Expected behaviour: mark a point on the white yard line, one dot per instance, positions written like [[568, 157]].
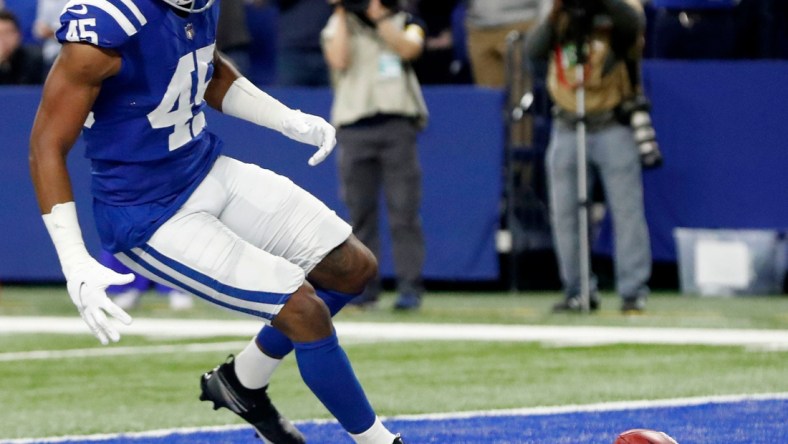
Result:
[[371, 331], [531, 411], [121, 351]]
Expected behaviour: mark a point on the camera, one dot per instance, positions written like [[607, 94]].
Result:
[[360, 6], [635, 114], [581, 18]]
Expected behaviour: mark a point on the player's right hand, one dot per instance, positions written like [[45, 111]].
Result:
[[87, 283]]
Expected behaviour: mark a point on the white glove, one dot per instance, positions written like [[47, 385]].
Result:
[[86, 279], [247, 102], [312, 130], [87, 285]]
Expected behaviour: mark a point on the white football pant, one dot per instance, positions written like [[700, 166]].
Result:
[[245, 240]]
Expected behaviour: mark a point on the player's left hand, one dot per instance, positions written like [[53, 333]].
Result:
[[312, 130]]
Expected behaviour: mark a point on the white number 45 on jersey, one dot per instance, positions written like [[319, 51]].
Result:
[[78, 31], [177, 107]]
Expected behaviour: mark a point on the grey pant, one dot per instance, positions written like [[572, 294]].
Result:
[[382, 155], [612, 156]]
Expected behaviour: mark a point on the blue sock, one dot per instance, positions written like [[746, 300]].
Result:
[[326, 370], [277, 345]]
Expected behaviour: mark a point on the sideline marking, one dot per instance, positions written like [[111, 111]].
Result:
[[529, 411], [776, 340]]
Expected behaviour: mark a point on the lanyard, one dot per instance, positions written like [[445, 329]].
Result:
[[559, 67]]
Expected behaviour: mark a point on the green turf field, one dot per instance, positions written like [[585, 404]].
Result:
[[80, 395]]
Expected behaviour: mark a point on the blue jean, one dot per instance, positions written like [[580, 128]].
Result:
[[613, 157]]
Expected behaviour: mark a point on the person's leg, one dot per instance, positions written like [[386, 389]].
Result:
[[307, 233], [195, 252], [562, 186], [481, 53], [402, 188], [619, 167], [325, 368], [360, 182], [198, 252], [345, 270], [337, 279], [178, 300]]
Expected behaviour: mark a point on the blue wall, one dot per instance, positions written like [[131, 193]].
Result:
[[721, 125], [460, 153], [723, 128]]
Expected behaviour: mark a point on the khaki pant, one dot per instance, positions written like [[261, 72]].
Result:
[[487, 51]]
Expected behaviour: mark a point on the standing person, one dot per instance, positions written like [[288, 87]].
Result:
[[19, 64], [612, 32], [379, 110], [134, 76]]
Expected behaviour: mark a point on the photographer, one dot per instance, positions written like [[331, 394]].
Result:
[[610, 33], [379, 110]]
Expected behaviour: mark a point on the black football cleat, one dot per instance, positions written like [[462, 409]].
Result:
[[221, 386], [398, 440]]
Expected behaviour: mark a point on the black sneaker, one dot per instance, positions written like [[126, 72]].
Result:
[[221, 386], [634, 305], [573, 305], [398, 440], [408, 302]]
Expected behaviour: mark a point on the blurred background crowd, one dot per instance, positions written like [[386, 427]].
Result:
[[277, 42]]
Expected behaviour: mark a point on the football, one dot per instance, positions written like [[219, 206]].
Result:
[[644, 436]]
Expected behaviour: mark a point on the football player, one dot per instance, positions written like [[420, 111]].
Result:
[[134, 77]]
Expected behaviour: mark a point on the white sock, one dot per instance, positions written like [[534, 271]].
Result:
[[253, 367], [377, 434]]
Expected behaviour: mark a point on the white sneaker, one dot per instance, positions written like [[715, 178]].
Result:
[[180, 301], [128, 299]]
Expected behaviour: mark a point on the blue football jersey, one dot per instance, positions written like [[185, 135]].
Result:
[[146, 134]]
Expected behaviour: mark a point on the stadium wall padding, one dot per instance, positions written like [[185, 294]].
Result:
[[460, 154], [721, 126], [723, 130]]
